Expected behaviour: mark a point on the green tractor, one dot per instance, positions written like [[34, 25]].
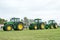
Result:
[[38, 24], [14, 24], [51, 24]]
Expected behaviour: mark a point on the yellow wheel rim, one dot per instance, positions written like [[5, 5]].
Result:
[[56, 26], [20, 26], [42, 26], [9, 28], [35, 27], [52, 26]]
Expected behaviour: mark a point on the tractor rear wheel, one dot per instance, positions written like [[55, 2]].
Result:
[[51, 27], [55, 26], [20, 26]]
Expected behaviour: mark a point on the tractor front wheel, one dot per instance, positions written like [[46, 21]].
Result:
[[35, 27], [7, 28], [42, 26]]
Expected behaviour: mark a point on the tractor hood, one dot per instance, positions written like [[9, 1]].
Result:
[[8, 23], [33, 23]]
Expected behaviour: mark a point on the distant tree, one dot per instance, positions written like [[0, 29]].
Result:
[[22, 20], [26, 22], [31, 21], [2, 21]]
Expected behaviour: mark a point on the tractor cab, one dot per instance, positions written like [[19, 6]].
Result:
[[38, 20], [51, 22], [15, 19]]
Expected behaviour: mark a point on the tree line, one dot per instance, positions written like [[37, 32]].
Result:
[[27, 21], [2, 21]]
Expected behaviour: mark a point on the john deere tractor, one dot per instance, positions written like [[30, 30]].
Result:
[[38, 24], [14, 24], [51, 24]]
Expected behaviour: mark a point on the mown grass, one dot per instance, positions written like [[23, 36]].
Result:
[[49, 34]]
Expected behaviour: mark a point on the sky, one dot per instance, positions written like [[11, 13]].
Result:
[[43, 9]]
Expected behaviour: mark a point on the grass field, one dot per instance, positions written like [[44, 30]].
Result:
[[49, 34]]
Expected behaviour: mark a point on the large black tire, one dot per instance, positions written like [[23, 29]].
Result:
[[51, 26], [7, 28], [46, 26], [32, 27], [35, 27], [4, 28], [55, 26], [20, 26], [42, 26]]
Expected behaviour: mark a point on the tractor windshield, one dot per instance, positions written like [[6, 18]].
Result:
[[15, 19], [38, 20]]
